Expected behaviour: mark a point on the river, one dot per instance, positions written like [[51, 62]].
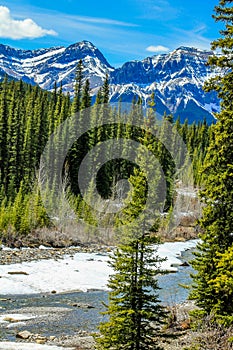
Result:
[[62, 313]]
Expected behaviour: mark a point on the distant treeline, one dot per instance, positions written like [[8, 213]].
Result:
[[29, 115]]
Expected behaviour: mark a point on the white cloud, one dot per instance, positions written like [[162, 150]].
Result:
[[20, 29], [158, 48]]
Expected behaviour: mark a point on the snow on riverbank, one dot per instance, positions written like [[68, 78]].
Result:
[[14, 320], [83, 271]]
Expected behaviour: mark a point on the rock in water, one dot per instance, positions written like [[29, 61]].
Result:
[[24, 335]]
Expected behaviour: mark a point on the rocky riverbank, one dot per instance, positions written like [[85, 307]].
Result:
[[57, 320], [23, 322], [50, 321], [19, 255], [174, 337], [177, 334]]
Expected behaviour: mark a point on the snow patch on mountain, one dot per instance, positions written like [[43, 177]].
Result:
[[177, 77]]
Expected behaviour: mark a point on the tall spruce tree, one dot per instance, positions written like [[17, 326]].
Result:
[[165, 158], [3, 130], [134, 310], [78, 88], [217, 221]]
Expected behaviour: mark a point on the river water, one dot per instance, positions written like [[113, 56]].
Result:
[[63, 317]]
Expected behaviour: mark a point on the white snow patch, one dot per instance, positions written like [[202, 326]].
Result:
[[2, 247], [39, 78], [44, 247], [84, 271], [40, 58], [212, 107], [172, 251], [15, 318]]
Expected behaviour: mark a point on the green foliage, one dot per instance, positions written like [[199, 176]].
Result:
[[222, 286], [212, 288], [29, 115], [23, 215], [76, 106], [134, 310]]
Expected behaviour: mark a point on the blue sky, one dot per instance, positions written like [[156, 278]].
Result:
[[122, 29]]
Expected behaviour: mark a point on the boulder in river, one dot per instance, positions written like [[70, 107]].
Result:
[[83, 306], [24, 335]]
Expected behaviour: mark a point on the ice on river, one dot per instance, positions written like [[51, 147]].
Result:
[[83, 271]]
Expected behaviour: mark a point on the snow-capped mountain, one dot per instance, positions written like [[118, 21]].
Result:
[[177, 77], [45, 66]]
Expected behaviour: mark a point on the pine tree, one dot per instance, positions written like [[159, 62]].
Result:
[[222, 284], [86, 98], [3, 131], [134, 310], [78, 88], [99, 97], [51, 110], [58, 107], [76, 153], [165, 158], [13, 145], [217, 221], [105, 90], [30, 142]]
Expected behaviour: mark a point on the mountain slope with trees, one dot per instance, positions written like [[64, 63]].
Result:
[[28, 117], [176, 78]]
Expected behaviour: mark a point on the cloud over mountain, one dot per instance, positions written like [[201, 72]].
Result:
[[158, 48], [20, 29]]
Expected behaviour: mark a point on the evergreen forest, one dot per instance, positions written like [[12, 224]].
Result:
[[37, 178], [29, 116]]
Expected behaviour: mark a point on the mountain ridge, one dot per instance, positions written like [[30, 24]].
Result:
[[176, 77]]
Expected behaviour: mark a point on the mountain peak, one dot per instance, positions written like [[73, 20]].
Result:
[[45, 66], [176, 77], [83, 44], [84, 49], [190, 49]]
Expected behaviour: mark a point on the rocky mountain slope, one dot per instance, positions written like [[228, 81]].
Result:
[[45, 66], [177, 77]]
